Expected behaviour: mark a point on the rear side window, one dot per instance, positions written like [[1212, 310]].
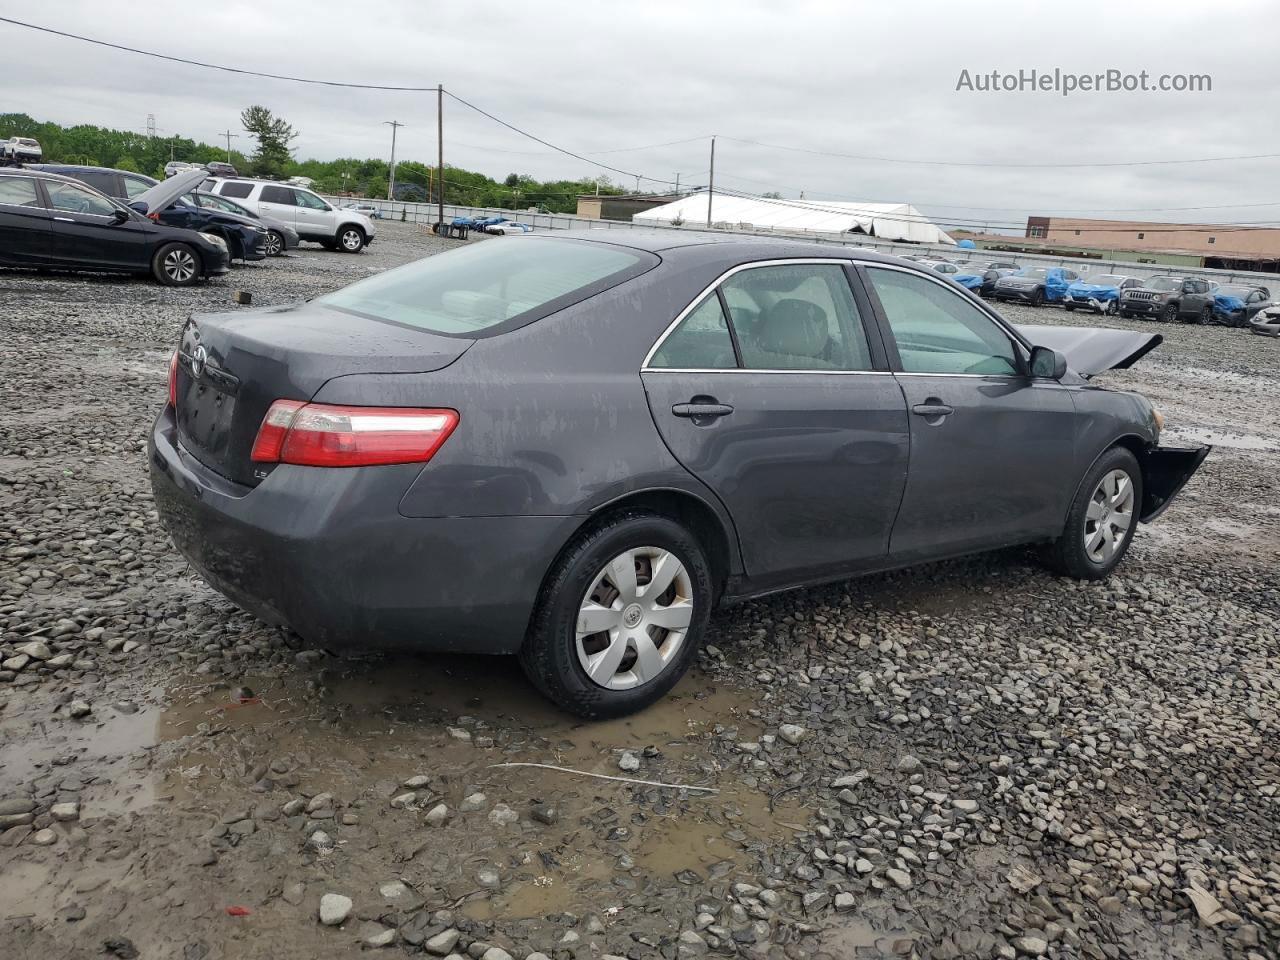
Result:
[[133, 186], [18, 192], [701, 342], [277, 195], [106, 182], [492, 286], [235, 189]]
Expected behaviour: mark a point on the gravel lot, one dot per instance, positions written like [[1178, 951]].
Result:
[[970, 759]]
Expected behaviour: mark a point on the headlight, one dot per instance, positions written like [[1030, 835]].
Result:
[[216, 240]]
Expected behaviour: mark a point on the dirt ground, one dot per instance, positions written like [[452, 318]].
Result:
[[970, 759]]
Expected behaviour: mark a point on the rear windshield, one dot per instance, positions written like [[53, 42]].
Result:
[[490, 286]]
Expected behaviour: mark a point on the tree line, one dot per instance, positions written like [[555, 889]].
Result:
[[128, 150]]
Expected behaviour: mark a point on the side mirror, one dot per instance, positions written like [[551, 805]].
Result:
[[139, 206], [118, 217], [1048, 364]]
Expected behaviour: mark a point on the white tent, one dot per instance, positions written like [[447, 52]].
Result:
[[887, 221]]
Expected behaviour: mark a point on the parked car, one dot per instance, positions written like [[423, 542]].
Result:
[[991, 272], [1170, 299], [541, 446], [1266, 321], [221, 169], [310, 216], [1099, 292], [179, 166], [506, 227], [1234, 304], [48, 220], [940, 266], [121, 184], [246, 237], [1035, 285], [21, 150], [280, 236], [370, 210]]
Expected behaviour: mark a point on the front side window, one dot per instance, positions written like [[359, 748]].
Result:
[[309, 200], [701, 342], [18, 192], [281, 195], [937, 330], [485, 288], [798, 316], [73, 198], [241, 190]]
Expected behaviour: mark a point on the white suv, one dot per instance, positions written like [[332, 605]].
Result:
[[21, 149], [312, 217]]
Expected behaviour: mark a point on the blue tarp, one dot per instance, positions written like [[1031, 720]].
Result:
[[1224, 305], [1093, 291], [970, 281], [1055, 285]]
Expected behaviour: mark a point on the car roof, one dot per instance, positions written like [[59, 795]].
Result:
[[81, 167], [33, 173]]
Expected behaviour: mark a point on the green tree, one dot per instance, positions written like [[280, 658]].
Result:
[[128, 163], [273, 136], [376, 188]]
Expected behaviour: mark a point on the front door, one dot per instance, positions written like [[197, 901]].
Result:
[[26, 232], [86, 230], [315, 217], [992, 449], [770, 393]]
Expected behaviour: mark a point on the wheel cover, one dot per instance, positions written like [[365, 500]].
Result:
[[351, 239], [179, 265], [274, 244], [1108, 516], [634, 618]]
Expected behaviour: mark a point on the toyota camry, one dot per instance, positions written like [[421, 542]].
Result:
[[573, 450]]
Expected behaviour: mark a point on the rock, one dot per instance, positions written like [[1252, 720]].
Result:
[[459, 734], [376, 935], [793, 733], [909, 764], [45, 837], [503, 816], [16, 805], [489, 878], [628, 762], [849, 780], [16, 663], [320, 842], [545, 813], [421, 781], [321, 801], [437, 815], [476, 801], [334, 909], [294, 893], [79, 709], [404, 801], [65, 811], [294, 807], [845, 901], [36, 650], [1031, 946], [442, 943], [1113, 906], [495, 953], [900, 878], [863, 865], [965, 806], [393, 890]]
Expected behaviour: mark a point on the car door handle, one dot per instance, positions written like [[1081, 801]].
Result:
[[932, 408], [701, 411], [65, 219]]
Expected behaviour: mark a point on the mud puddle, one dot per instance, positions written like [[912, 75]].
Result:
[[1222, 438]]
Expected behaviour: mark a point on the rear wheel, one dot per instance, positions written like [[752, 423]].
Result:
[[350, 239], [1102, 519], [273, 245], [176, 265], [1113, 307], [1037, 298], [621, 616], [1070, 307]]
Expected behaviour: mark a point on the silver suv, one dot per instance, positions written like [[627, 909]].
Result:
[[312, 217]]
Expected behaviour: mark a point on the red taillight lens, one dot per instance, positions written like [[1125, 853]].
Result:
[[325, 435], [173, 380]]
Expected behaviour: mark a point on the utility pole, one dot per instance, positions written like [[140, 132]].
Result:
[[677, 183], [228, 134], [391, 187], [637, 183], [711, 183], [151, 125], [440, 148]]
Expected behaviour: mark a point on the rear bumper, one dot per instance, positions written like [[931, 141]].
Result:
[[1167, 471], [326, 552]]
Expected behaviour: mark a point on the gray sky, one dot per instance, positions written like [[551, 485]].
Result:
[[868, 79]]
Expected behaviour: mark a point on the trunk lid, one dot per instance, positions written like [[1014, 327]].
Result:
[[233, 366], [1093, 350]]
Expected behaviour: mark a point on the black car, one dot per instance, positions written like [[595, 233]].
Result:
[[47, 220], [573, 448], [1236, 304], [280, 236], [121, 184], [1170, 299], [246, 237]]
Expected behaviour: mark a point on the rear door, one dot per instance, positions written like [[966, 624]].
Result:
[[278, 202], [770, 390], [992, 449], [85, 231], [26, 230]]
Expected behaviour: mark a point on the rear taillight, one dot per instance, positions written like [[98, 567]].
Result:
[[173, 380], [326, 435]]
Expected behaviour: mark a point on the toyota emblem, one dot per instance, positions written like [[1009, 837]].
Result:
[[198, 359]]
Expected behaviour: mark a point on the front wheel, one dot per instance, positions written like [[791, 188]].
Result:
[[1070, 307], [1037, 298], [621, 616], [1170, 313], [1113, 307], [1102, 519], [351, 240], [176, 265], [273, 245]]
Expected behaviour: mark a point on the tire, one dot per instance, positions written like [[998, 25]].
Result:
[[350, 239], [1126, 315], [1204, 317], [555, 658], [1069, 307], [1113, 308], [1169, 314], [273, 245], [1071, 554], [176, 265], [1037, 298]]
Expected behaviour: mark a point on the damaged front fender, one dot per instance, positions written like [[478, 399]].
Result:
[[1165, 473]]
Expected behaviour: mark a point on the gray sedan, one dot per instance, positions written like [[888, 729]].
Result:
[[574, 449]]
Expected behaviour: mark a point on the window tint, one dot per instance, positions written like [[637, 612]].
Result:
[[796, 317], [309, 200], [106, 182], [74, 198], [484, 285], [134, 186], [18, 192], [938, 331], [701, 342], [235, 189], [271, 194]]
